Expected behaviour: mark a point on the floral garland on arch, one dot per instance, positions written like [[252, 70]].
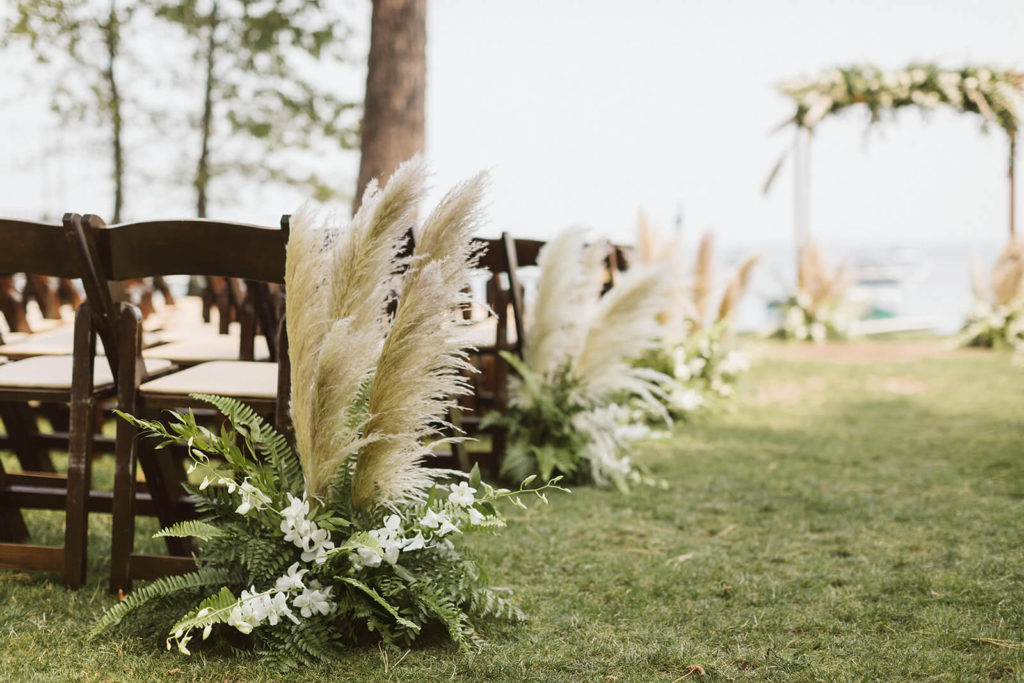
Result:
[[569, 409], [994, 94], [303, 551]]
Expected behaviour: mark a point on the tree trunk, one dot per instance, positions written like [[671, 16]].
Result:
[[202, 179], [393, 114], [112, 38]]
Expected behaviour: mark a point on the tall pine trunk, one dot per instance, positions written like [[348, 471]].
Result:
[[202, 179], [112, 39], [394, 110]]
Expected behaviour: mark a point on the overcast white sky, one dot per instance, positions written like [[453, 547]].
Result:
[[587, 110]]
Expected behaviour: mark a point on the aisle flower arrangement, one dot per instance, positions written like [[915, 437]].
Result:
[[301, 552], [700, 360], [815, 312], [568, 412], [998, 317]]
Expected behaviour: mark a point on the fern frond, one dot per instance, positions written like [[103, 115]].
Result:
[[191, 528], [162, 587], [376, 597], [262, 437]]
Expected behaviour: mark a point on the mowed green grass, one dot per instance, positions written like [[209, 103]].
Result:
[[845, 521]]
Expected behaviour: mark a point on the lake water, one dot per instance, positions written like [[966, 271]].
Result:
[[934, 287]]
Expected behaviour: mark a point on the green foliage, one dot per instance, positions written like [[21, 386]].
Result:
[[257, 525], [160, 588], [539, 428]]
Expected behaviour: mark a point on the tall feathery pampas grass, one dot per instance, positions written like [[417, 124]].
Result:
[[697, 354], [578, 360], [998, 316], [688, 301], [368, 388], [354, 535]]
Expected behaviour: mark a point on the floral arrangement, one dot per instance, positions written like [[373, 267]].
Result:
[[998, 317], [302, 551], [992, 93], [815, 312], [701, 371], [566, 413], [699, 360]]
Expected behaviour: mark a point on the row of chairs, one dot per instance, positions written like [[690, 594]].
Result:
[[109, 364]]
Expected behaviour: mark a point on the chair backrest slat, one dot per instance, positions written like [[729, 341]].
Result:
[[37, 248], [191, 247]]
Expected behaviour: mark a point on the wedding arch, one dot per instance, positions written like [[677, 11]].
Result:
[[993, 94]]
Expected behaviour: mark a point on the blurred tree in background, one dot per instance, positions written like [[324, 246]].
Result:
[[393, 114], [81, 39], [265, 92], [255, 98]]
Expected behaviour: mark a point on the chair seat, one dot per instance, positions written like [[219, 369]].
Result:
[[206, 347], [242, 379], [483, 334], [57, 342], [54, 372]]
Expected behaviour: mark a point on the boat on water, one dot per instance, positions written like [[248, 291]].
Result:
[[882, 282]]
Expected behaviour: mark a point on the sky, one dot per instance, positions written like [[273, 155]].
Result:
[[585, 112]]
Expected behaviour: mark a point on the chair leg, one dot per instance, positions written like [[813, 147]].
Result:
[[12, 523], [20, 423], [122, 541], [76, 533], [57, 415], [164, 474]]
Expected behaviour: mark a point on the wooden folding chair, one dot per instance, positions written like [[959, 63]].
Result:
[[184, 247], [77, 380], [500, 331]]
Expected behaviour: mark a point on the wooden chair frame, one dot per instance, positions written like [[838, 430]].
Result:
[[160, 248], [50, 250], [502, 258]]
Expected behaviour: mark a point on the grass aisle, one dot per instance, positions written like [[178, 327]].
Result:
[[847, 521]]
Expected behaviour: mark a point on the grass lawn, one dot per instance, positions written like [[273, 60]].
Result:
[[848, 520]]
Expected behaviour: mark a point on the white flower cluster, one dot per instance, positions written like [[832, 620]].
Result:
[[702, 360], [800, 324], [252, 497], [609, 430], [395, 538], [254, 608], [304, 532]]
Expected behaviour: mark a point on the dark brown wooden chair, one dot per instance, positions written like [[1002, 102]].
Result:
[[77, 380], [499, 331], [182, 247]]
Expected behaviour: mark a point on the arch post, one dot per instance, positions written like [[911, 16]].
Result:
[[1013, 192]]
